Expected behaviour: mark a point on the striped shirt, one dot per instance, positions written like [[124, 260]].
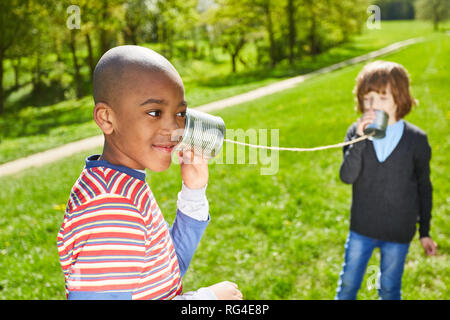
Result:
[[114, 239]]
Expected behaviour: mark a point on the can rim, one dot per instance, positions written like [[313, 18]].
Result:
[[186, 124], [186, 132]]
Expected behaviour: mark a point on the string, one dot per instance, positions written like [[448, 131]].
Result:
[[339, 145]]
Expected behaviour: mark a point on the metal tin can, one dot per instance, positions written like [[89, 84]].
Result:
[[203, 132], [378, 127]]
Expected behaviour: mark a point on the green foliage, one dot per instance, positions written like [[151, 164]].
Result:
[[207, 79], [37, 31], [435, 10], [277, 237], [396, 9]]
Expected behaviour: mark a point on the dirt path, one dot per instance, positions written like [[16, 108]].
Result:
[[45, 157]]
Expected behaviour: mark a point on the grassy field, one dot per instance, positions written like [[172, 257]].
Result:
[[278, 236], [28, 130]]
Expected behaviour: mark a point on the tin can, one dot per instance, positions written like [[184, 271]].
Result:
[[378, 127], [204, 133]]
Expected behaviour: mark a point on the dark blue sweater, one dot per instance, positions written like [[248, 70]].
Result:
[[390, 197]]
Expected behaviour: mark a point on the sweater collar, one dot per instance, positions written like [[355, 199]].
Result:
[[92, 161]]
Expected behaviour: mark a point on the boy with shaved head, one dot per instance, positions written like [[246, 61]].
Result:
[[114, 242]]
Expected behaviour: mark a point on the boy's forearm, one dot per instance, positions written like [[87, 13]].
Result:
[[425, 194], [422, 157], [189, 225], [425, 191], [351, 165]]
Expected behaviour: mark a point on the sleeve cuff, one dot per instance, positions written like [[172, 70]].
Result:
[[193, 203], [358, 145], [192, 194], [200, 294], [424, 234], [424, 229]]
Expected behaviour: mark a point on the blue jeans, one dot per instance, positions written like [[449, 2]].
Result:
[[358, 250]]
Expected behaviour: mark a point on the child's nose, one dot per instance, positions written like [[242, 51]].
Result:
[[371, 102], [169, 126]]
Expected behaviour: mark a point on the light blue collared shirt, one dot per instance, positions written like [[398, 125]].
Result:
[[384, 147]]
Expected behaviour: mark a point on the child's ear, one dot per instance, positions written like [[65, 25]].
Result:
[[103, 116]]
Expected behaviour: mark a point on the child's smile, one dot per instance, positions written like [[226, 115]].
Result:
[[149, 109], [164, 148]]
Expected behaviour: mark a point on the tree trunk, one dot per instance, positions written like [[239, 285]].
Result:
[[130, 33], [235, 53], [133, 34], [103, 42], [36, 77], [211, 55], [269, 27], [169, 40], [90, 55], [76, 66], [163, 37], [194, 48], [436, 15], [312, 30], [103, 33], [233, 63], [312, 37], [292, 31], [1, 83], [58, 48], [16, 67]]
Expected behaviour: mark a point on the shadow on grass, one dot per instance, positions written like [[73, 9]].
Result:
[[284, 70], [41, 94]]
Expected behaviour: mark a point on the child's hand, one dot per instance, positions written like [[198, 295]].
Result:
[[429, 246], [367, 118], [226, 290], [194, 169]]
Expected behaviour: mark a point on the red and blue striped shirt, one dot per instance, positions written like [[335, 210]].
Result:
[[114, 241]]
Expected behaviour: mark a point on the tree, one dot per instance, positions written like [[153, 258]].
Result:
[[345, 17], [266, 6], [76, 65], [325, 23], [63, 23], [396, 9], [435, 10], [269, 15], [315, 12], [291, 9], [175, 20], [232, 23], [136, 16], [90, 11]]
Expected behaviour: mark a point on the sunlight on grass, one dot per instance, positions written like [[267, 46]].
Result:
[[279, 236]]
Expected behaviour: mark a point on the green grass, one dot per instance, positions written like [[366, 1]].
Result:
[[278, 236], [30, 130]]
